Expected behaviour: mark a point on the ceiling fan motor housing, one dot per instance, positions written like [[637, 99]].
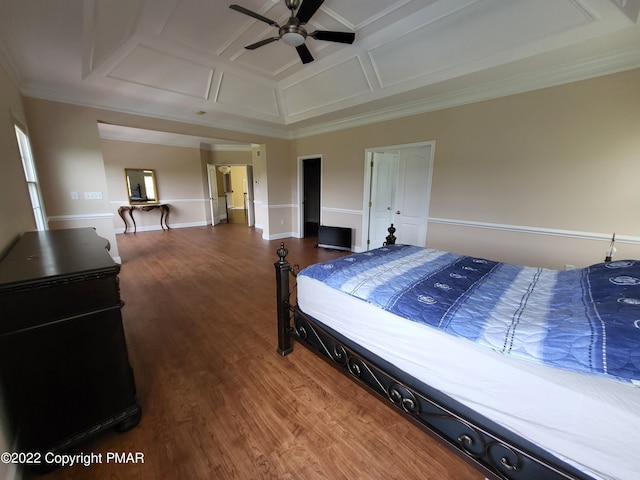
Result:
[[292, 33]]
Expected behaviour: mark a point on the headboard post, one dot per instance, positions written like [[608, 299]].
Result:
[[283, 268]]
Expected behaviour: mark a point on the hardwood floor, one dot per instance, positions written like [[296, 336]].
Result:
[[218, 401], [238, 215]]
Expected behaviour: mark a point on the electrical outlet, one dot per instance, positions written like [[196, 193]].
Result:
[[93, 195], [74, 196]]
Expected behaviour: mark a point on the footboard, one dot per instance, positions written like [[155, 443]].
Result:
[[493, 450]]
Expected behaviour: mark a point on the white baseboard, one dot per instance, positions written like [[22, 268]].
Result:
[[151, 228], [278, 236]]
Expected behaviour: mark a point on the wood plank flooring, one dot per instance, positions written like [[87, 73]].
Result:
[[218, 401]]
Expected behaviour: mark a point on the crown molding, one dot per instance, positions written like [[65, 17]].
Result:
[[154, 137], [628, 59], [214, 120], [595, 66]]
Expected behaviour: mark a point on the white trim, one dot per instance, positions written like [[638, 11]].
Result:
[[291, 205], [279, 236], [535, 230], [161, 202], [282, 128], [109, 131], [150, 228], [575, 234], [86, 216], [220, 120], [342, 210], [582, 70]]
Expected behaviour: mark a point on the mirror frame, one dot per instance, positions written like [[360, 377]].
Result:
[[153, 179]]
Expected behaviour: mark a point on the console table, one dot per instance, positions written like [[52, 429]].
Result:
[[164, 214], [64, 366]]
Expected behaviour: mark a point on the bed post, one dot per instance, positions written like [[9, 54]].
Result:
[[391, 238], [283, 268]]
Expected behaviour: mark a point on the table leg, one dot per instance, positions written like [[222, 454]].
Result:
[[121, 211], [135, 227], [164, 215]]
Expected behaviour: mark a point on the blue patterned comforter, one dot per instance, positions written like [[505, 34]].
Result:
[[586, 320]]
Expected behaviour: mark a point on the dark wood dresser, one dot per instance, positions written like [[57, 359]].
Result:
[[64, 367]]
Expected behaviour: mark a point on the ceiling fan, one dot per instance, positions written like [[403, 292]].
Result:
[[293, 33]]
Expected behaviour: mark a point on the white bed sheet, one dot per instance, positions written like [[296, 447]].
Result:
[[589, 421]]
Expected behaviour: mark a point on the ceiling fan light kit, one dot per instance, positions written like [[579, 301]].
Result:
[[293, 33]]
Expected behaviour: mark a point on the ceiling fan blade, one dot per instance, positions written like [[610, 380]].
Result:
[[307, 9], [253, 46], [255, 15], [341, 37], [305, 54]]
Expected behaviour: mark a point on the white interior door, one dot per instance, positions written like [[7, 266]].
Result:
[[213, 194], [251, 211], [399, 186], [382, 202], [412, 199]]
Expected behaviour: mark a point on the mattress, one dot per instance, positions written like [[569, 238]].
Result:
[[589, 421]]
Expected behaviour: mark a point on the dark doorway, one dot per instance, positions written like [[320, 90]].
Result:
[[311, 196]]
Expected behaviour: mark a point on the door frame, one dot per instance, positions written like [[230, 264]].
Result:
[[251, 213], [300, 205], [213, 190], [369, 152]]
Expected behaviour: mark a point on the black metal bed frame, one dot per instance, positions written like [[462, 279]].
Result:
[[495, 451]]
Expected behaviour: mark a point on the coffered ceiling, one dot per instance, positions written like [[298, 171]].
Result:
[[185, 59]]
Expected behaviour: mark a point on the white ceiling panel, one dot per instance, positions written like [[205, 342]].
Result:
[[362, 12], [454, 39], [152, 68], [322, 90], [201, 24], [237, 91], [113, 23]]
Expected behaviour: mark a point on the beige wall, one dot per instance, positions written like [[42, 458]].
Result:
[[282, 190], [178, 177], [542, 178], [16, 215], [231, 157], [68, 156]]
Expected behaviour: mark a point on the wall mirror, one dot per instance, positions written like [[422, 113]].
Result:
[[141, 185]]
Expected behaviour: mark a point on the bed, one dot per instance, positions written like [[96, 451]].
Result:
[[527, 373]]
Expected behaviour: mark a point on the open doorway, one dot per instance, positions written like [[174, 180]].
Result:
[[231, 194], [310, 188]]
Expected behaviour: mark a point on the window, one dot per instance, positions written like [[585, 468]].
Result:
[[31, 177]]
